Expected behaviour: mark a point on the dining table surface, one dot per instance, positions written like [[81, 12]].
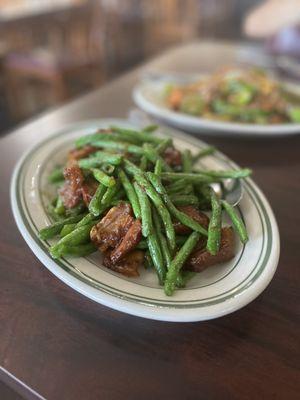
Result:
[[58, 345]]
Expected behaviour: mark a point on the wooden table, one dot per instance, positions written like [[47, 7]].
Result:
[[57, 344]]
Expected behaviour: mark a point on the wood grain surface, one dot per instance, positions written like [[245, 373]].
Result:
[[65, 346]]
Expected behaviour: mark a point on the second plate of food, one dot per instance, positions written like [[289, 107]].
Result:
[[218, 290], [232, 102]]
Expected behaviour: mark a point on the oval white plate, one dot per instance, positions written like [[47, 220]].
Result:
[[215, 292], [148, 95]]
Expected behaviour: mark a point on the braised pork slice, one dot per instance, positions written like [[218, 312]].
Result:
[[194, 213], [129, 241], [202, 259], [116, 235], [127, 265], [172, 157], [71, 191], [109, 232]]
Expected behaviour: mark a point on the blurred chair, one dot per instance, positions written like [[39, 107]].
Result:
[[60, 54]]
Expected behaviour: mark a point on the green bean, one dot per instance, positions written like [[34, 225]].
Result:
[[203, 153], [233, 174], [152, 155], [155, 198], [87, 219], [164, 145], [109, 195], [79, 235], [132, 169], [237, 221], [110, 158], [189, 178], [162, 240], [141, 136], [157, 258], [54, 229], [119, 146], [95, 203], [181, 216], [214, 228], [103, 178], [186, 190], [143, 163], [178, 261], [158, 167], [181, 279], [95, 137], [177, 185], [59, 208], [57, 175], [187, 161], [99, 158], [145, 207], [150, 128], [81, 250], [131, 193], [67, 229], [184, 200]]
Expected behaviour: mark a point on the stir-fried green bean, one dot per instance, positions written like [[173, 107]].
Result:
[[206, 176], [158, 167], [237, 221], [95, 203], [184, 199], [110, 193], [178, 261], [131, 193], [145, 207], [79, 235], [214, 228], [81, 250], [88, 218], [54, 229], [91, 139], [103, 178], [142, 136], [157, 257], [68, 228], [161, 239], [119, 147], [98, 159]]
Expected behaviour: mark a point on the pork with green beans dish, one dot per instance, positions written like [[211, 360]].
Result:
[[143, 204]]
